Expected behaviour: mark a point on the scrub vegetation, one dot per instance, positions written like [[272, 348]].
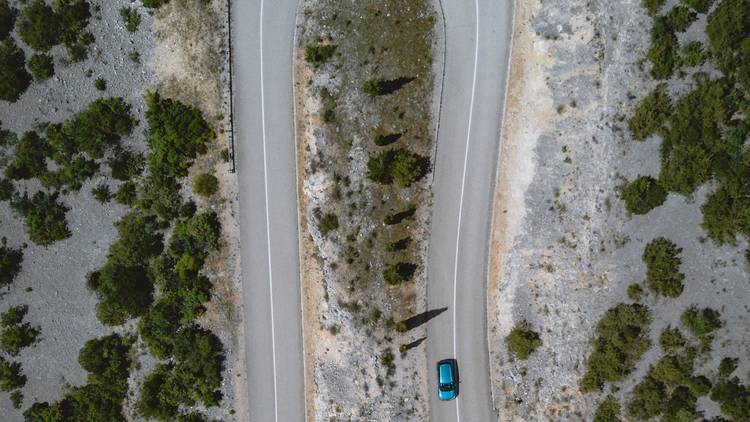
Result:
[[369, 68], [522, 340]]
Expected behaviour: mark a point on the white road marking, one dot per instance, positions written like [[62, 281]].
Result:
[[463, 186], [268, 218]]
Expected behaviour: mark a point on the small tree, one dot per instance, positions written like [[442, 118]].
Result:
[[318, 55], [130, 18], [13, 76], [642, 195], [17, 334], [10, 263], [651, 114], [44, 217], [41, 67], [206, 184], [7, 18], [11, 376], [663, 274], [101, 193], [100, 84], [608, 410], [39, 26], [522, 340], [328, 223], [396, 274]]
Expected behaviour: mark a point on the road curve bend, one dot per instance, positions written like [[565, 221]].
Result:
[[477, 37], [262, 48]]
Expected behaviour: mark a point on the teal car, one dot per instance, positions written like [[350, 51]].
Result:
[[447, 375]]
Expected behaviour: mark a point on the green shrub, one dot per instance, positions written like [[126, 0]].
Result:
[[177, 134], [663, 275], [100, 84], [648, 399], [672, 341], [680, 18], [107, 360], [16, 334], [138, 240], [7, 189], [71, 175], [7, 18], [701, 322], [727, 366], [10, 263], [130, 18], [693, 54], [44, 217], [319, 54], [14, 80], [123, 292], [622, 338], [39, 26], [396, 274], [197, 374], [206, 184], [652, 6], [608, 410], [161, 196], [95, 129], [728, 28], [16, 399], [701, 6], [522, 340], [733, 398], [399, 165], [158, 327], [379, 86], [41, 67], [663, 53], [642, 195], [725, 214], [651, 114], [11, 376], [328, 223], [127, 194], [101, 193], [154, 403], [74, 17]]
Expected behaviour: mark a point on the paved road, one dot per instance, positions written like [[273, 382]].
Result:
[[477, 51], [262, 32]]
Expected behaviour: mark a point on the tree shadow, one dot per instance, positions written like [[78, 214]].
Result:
[[422, 318], [414, 343]]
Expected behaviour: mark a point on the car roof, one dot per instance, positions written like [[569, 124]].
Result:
[[446, 372]]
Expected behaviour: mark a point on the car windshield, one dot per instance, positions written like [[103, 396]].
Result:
[[446, 387]]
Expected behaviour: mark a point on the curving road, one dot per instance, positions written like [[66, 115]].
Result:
[[477, 44], [263, 32], [477, 35]]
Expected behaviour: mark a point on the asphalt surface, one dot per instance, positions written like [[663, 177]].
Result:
[[478, 35], [262, 44]]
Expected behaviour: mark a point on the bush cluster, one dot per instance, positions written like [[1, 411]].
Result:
[[621, 339], [397, 165], [41, 66], [663, 274], [522, 340], [43, 27], [664, 51], [670, 389], [126, 164], [130, 18], [16, 334], [10, 263], [642, 195], [14, 79], [608, 410], [7, 18], [11, 375], [107, 361], [702, 323], [651, 114], [398, 273], [44, 217], [206, 184], [328, 223], [319, 54]]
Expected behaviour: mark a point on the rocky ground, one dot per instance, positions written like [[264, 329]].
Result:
[[180, 52], [564, 247], [359, 366]]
